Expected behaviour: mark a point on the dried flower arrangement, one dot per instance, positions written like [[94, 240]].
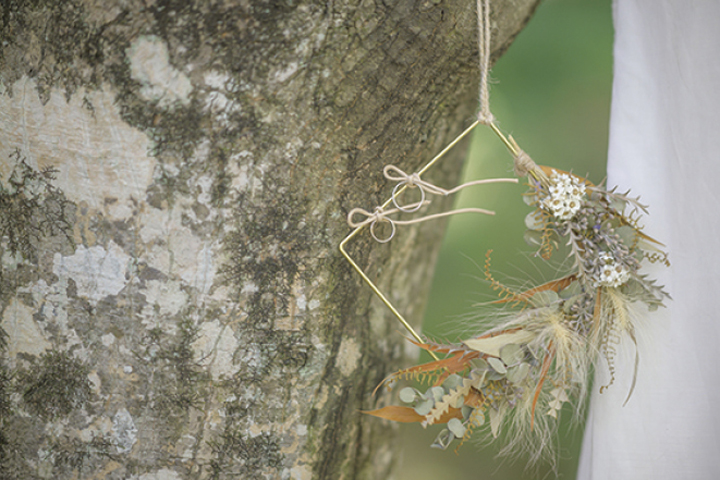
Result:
[[518, 375]]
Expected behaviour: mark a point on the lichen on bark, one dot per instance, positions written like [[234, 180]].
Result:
[[206, 154]]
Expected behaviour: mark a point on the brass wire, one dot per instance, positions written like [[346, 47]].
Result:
[[510, 146]]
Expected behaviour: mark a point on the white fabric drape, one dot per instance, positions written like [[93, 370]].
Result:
[[665, 146]]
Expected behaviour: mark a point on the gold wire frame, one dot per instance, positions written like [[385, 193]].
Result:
[[510, 144]]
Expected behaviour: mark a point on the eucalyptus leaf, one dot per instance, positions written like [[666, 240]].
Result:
[[496, 418], [458, 402], [456, 427], [437, 393], [534, 221], [480, 364], [533, 238], [518, 373], [571, 290], [478, 378], [466, 411], [554, 238], [452, 382], [512, 354], [627, 234], [633, 288], [568, 304], [408, 395], [443, 440], [497, 365], [618, 204], [424, 406], [492, 375], [480, 419]]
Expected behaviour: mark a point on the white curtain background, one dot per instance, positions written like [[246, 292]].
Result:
[[665, 146]]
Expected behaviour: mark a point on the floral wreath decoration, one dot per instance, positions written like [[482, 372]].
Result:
[[516, 377]]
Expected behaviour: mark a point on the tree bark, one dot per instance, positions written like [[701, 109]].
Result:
[[175, 180]]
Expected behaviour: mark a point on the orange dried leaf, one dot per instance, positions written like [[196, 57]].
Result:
[[448, 366], [449, 415], [554, 285], [543, 373], [408, 415], [432, 347], [649, 238], [549, 171], [474, 398], [396, 414]]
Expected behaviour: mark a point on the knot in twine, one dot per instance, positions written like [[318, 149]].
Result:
[[485, 117], [372, 219], [392, 173], [523, 164], [380, 215]]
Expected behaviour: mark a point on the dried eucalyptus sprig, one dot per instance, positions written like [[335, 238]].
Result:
[[517, 376]]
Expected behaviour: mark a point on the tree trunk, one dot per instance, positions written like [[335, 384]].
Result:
[[175, 180]]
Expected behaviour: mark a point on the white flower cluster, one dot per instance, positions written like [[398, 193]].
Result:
[[612, 274], [566, 196]]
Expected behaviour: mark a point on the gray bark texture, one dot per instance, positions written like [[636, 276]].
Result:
[[175, 177]]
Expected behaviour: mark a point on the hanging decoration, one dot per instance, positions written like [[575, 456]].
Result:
[[516, 377]]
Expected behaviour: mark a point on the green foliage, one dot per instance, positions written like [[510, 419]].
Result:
[[55, 385]]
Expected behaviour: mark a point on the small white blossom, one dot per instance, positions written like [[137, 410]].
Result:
[[566, 196], [612, 274]]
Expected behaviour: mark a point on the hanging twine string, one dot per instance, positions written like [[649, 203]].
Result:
[[394, 174], [380, 215], [485, 116], [523, 164]]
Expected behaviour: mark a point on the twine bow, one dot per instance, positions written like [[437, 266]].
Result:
[[393, 173], [379, 215]]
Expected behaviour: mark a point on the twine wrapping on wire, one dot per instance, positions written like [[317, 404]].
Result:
[[485, 116], [523, 164]]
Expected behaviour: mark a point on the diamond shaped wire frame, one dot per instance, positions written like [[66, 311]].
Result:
[[511, 146]]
